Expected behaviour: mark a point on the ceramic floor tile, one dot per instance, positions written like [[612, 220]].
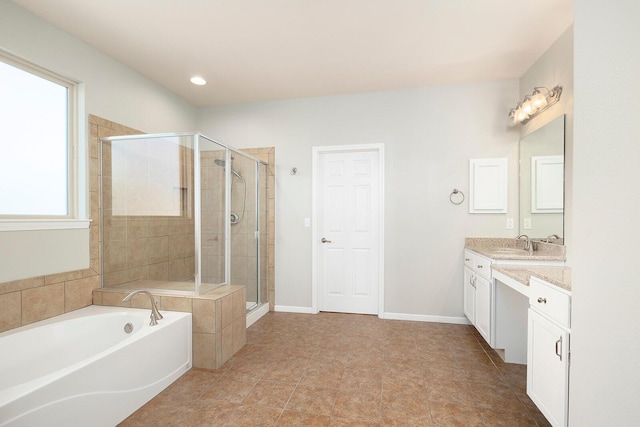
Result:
[[269, 393], [358, 406], [292, 418], [452, 415], [313, 400], [341, 370]]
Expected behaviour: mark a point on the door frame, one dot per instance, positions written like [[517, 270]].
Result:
[[315, 214]]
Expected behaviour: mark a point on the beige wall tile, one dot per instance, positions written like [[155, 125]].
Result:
[[204, 351], [239, 333], [42, 303], [227, 310], [79, 293], [204, 316], [62, 277], [97, 297], [19, 285], [227, 343], [11, 313], [239, 306], [176, 304], [114, 299]]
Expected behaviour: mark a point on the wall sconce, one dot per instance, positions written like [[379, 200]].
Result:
[[534, 104]]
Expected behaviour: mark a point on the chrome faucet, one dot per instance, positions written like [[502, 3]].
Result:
[[551, 236], [155, 314], [527, 243]]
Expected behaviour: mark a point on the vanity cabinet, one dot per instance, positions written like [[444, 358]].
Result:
[[477, 292], [548, 350]]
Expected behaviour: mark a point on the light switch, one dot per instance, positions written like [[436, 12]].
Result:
[[527, 223], [510, 223], [307, 222]]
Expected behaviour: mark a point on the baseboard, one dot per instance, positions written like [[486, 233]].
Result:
[[427, 318], [256, 314], [294, 309]]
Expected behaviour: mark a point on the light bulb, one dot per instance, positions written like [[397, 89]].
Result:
[[539, 100], [528, 107], [521, 115]]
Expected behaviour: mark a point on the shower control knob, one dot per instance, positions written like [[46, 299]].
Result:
[[325, 240]]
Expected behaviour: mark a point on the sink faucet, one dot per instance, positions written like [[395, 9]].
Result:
[[155, 314], [527, 243], [551, 236]]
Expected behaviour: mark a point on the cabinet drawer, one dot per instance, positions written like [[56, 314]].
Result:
[[550, 301], [483, 266], [468, 260]]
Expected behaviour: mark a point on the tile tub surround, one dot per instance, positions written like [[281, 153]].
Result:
[[38, 298], [219, 319], [335, 369], [487, 246], [558, 276]]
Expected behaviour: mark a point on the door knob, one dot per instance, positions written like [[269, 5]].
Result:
[[325, 240]]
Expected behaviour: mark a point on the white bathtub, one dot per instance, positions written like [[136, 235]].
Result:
[[81, 368]]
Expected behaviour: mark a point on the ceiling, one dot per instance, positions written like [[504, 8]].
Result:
[[256, 50]]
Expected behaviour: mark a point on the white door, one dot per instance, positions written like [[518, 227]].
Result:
[[348, 212]]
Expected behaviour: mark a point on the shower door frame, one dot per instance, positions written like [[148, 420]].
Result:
[[197, 205]]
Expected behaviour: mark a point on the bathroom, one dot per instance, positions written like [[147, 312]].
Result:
[[431, 133]]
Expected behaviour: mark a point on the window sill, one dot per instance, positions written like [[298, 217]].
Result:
[[43, 224]]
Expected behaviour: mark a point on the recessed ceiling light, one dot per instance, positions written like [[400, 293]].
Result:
[[197, 80]]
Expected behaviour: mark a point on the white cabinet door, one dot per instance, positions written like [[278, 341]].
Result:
[[483, 307], [548, 368], [469, 295], [488, 185]]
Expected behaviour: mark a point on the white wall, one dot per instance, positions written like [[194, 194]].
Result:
[[605, 341], [429, 135], [112, 91]]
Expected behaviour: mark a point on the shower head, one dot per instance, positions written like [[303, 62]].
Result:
[[222, 163]]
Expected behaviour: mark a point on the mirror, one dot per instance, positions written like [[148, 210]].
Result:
[[542, 182]]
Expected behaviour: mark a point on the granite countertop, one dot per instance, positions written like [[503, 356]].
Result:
[[494, 248], [556, 275]]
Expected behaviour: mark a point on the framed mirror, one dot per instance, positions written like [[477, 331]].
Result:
[[542, 183]]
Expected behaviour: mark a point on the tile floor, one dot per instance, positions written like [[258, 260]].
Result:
[[350, 370]]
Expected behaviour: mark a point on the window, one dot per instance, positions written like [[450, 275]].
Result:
[[37, 129]]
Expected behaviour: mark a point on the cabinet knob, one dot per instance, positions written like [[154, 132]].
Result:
[[479, 265], [542, 300], [467, 259]]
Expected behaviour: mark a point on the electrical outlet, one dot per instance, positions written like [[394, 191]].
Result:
[[307, 222], [527, 223], [510, 223]]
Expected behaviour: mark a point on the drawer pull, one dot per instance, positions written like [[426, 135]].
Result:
[[559, 348], [542, 300], [467, 259], [479, 265]]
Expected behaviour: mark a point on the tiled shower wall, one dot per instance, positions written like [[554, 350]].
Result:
[[33, 299]]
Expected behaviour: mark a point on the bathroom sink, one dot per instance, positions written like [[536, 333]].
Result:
[[511, 251]]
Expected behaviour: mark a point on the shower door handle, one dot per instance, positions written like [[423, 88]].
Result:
[[325, 240]]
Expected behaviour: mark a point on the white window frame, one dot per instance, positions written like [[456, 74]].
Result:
[[77, 216]]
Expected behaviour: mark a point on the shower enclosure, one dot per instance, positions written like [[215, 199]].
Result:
[[182, 214]]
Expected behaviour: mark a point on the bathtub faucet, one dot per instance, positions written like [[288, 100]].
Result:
[[155, 314]]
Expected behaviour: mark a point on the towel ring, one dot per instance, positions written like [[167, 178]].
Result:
[[453, 195]]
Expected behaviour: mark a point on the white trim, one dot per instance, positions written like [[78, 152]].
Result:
[[316, 151], [294, 309], [255, 315], [427, 318], [44, 224]]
